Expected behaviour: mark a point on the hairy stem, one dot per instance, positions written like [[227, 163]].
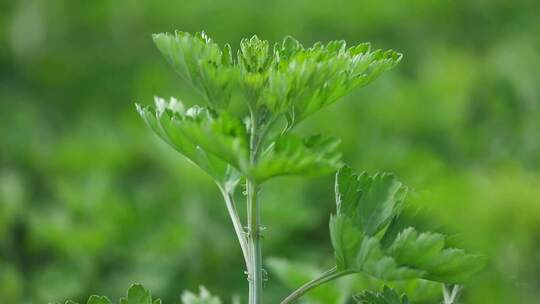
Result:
[[323, 278], [237, 224]]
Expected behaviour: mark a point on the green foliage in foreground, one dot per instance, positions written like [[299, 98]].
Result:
[[137, 294], [254, 142], [387, 296]]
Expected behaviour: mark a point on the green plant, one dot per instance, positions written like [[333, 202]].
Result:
[[251, 142]]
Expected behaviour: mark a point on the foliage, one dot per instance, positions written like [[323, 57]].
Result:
[[387, 296], [287, 80], [136, 294]]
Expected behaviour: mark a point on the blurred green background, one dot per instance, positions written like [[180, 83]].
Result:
[[91, 201]]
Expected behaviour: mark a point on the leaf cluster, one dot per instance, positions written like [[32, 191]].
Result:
[[286, 79], [136, 294], [386, 296], [281, 86]]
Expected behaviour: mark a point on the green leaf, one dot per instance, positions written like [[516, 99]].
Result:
[[137, 294], [253, 61], [366, 205], [292, 155], [204, 297], [356, 252], [427, 251], [387, 296], [372, 260], [302, 81], [205, 138], [346, 240], [253, 55], [202, 63], [219, 134], [288, 80], [369, 201], [98, 300]]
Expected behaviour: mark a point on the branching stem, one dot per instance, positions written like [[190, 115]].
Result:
[[450, 293], [254, 223]]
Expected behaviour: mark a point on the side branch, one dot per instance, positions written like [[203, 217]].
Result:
[[237, 223], [327, 276]]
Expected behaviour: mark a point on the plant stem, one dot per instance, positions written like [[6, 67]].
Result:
[[254, 239], [254, 218], [237, 224], [323, 278], [450, 293]]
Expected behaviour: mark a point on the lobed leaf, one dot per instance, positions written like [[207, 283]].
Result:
[[98, 300], [364, 241], [427, 251], [371, 202], [302, 81], [217, 144], [292, 155], [387, 296], [136, 294], [288, 80], [202, 63], [357, 252]]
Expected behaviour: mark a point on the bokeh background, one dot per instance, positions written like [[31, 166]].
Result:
[[91, 201]]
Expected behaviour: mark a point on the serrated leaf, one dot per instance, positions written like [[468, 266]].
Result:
[[221, 135], [202, 63], [204, 297], [356, 252], [98, 300], [427, 251], [288, 79], [292, 155], [372, 260], [137, 294], [302, 81], [387, 296], [366, 205], [208, 140], [346, 240], [371, 202], [253, 55]]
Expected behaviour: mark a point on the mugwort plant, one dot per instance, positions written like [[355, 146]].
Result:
[[244, 146]]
